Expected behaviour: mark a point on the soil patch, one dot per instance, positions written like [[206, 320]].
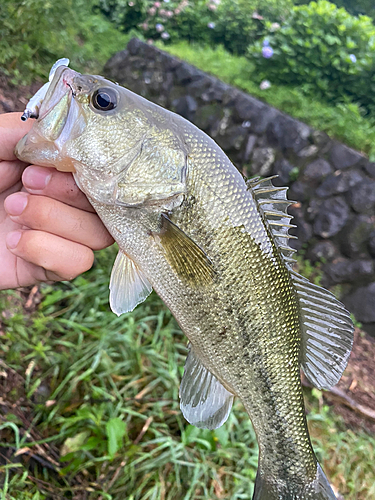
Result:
[[15, 97]]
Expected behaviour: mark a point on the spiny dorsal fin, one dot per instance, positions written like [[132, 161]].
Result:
[[327, 333], [274, 204], [204, 401]]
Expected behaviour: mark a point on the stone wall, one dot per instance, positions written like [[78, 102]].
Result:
[[334, 186]]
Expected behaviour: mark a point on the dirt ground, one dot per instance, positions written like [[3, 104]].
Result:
[[354, 396]]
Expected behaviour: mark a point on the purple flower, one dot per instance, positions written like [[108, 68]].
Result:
[[159, 27], [353, 58], [266, 42], [267, 52], [265, 84], [165, 35], [211, 25]]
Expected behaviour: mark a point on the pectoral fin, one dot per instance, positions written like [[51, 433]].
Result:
[[186, 258], [204, 403], [128, 285], [327, 333]]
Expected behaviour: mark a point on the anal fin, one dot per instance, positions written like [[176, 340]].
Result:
[[204, 401], [128, 285]]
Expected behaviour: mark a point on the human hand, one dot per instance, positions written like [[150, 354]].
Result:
[[48, 229]]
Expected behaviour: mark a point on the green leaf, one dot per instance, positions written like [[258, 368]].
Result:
[[116, 430]]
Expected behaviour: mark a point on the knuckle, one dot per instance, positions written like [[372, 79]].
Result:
[[39, 213], [81, 260]]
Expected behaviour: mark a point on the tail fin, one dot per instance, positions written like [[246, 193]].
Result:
[[272, 489]]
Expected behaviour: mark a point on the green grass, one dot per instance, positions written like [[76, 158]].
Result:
[[98, 396], [35, 33], [343, 121]]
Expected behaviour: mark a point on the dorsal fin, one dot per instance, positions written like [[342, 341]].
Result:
[[327, 333], [273, 202]]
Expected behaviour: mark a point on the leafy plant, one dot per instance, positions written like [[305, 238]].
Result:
[[345, 121], [321, 50], [233, 23], [35, 33]]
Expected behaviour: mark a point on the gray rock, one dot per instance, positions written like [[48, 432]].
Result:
[[371, 243], [300, 191], [361, 303], [262, 161], [323, 251], [116, 63], [208, 117], [320, 138], [134, 46], [362, 197], [350, 271], [343, 157], [199, 86], [217, 92], [185, 73], [185, 106], [370, 169], [282, 168], [256, 112], [315, 171], [251, 141], [308, 151], [356, 238], [231, 137], [285, 133], [339, 183], [332, 216]]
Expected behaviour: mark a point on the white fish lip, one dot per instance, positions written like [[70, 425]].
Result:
[[34, 104], [45, 142], [60, 85]]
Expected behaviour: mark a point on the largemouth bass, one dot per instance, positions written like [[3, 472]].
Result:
[[215, 248]]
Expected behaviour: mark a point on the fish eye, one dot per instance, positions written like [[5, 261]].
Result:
[[104, 99]]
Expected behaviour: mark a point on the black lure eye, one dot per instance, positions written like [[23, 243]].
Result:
[[104, 99]]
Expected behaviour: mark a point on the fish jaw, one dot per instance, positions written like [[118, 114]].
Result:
[[60, 120]]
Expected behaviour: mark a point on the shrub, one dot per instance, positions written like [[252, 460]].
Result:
[[232, 23], [343, 121], [322, 50], [35, 33]]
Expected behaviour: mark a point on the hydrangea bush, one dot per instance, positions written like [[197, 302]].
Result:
[[322, 50], [232, 23]]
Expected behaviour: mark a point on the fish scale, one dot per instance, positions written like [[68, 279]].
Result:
[[215, 248], [254, 336]]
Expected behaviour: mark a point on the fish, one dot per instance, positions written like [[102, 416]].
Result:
[[215, 247]]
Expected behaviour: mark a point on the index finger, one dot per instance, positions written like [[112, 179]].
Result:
[[12, 129]]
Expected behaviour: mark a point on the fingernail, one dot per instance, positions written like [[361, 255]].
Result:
[[12, 239], [36, 177], [16, 203]]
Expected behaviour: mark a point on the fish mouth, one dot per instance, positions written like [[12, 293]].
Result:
[[58, 88], [56, 124]]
